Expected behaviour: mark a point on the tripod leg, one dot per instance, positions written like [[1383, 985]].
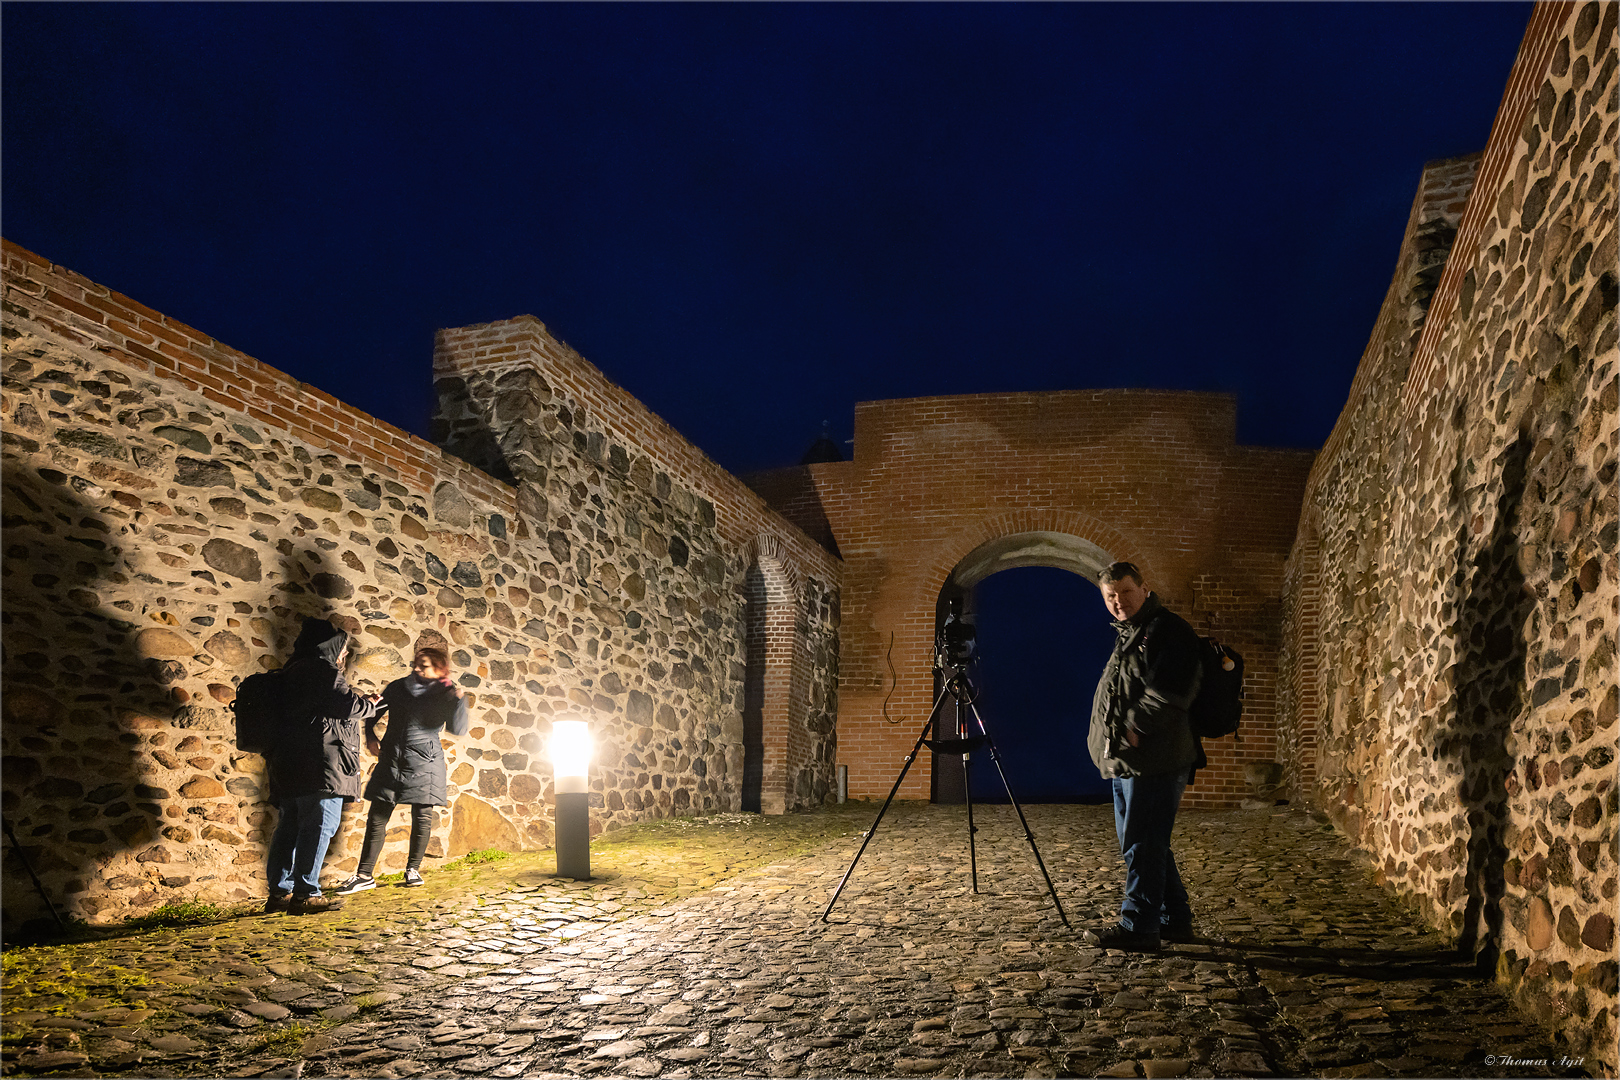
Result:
[[38, 885], [911, 757], [1028, 835], [967, 787]]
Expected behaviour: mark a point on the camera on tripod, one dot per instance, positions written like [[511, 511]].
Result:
[[953, 651], [954, 644]]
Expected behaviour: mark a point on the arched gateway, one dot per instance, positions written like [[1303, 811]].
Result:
[[944, 492]]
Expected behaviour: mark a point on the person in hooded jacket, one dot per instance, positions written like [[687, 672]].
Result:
[[410, 762], [314, 767]]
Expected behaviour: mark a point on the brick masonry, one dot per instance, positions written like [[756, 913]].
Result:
[[943, 491], [1449, 691], [172, 507]]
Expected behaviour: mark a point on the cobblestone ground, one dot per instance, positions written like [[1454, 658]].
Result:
[[700, 951]]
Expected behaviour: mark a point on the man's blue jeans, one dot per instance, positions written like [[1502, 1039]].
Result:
[[308, 823], [1144, 814]]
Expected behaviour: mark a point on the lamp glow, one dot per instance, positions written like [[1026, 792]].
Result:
[[570, 754], [570, 763]]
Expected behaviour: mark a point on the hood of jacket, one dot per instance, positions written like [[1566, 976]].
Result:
[[318, 639]]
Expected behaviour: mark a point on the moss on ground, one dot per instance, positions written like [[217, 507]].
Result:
[[140, 964]]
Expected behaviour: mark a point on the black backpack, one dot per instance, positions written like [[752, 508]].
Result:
[[1219, 705], [259, 709]]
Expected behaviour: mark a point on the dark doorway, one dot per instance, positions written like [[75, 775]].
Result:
[[1043, 640]]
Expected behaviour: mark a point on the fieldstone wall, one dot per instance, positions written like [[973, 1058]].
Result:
[[172, 508], [657, 556], [1454, 590]]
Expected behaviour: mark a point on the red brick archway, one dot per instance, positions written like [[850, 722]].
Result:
[[1035, 522], [993, 481], [1024, 537], [1032, 538]]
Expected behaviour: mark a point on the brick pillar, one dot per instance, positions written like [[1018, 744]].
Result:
[[777, 653], [753, 709], [777, 708], [1303, 682]]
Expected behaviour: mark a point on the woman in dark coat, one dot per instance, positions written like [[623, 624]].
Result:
[[410, 766]]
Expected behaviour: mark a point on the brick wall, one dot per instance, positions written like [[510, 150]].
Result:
[[173, 507], [938, 485], [1454, 589]]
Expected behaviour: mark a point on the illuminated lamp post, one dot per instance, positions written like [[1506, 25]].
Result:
[[570, 762]]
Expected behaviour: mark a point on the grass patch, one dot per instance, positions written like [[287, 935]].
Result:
[[183, 913], [288, 1042], [484, 855], [52, 980], [771, 837], [679, 856]]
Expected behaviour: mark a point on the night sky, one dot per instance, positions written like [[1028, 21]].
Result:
[[753, 216]]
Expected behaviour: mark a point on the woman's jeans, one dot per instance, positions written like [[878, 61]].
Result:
[[377, 828], [307, 825], [1144, 814]]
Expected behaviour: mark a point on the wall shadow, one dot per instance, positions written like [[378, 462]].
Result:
[[108, 735], [1493, 610], [1358, 963], [792, 493], [76, 792]]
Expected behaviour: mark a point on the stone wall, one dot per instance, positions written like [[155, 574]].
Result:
[[1454, 589], [631, 511], [173, 507]]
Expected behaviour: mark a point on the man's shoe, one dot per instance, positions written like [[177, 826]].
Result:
[[314, 905], [1182, 933], [277, 902], [413, 879], [1118, 937], [358, 883]]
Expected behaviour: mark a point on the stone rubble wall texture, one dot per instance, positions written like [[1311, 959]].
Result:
[[172, 508], [1454, 589], [1155, 477], [643, 519]]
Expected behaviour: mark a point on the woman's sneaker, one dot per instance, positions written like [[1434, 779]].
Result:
[[358, 883], [413, 879]]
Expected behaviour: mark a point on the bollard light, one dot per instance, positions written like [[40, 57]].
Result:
[[570, 764]]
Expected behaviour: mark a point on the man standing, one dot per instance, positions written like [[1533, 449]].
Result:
[[1140, 740], [314, 767]]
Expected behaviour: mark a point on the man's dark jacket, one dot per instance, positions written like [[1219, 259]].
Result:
[[319, 751], [1147, 687]]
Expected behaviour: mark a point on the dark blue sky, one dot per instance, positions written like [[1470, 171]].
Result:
[[753, 216]]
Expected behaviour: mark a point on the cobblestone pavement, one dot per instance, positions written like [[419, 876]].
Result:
[[688, 958]]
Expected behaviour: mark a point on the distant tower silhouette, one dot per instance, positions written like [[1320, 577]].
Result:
[[823, 449]]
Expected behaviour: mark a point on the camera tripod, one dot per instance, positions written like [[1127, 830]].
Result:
[[957, 688]]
